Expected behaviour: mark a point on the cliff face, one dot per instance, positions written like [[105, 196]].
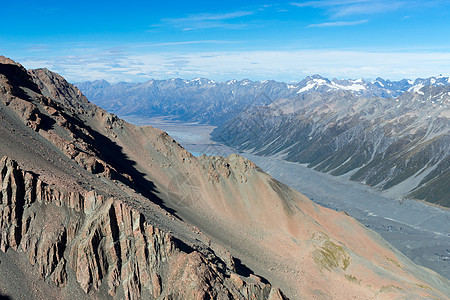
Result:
[[104, 241]]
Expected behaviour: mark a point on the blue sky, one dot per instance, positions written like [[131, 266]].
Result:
[[221, 40]]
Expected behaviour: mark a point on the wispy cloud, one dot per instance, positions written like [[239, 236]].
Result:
[[338, 24], [206, 20], [368, 8], [188, 43], [342, 8], [327, 3], [213, 16]]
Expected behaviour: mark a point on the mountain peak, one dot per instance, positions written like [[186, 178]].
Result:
[[8, 61]]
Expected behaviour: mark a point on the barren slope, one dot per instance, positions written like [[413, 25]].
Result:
[[118, 184]]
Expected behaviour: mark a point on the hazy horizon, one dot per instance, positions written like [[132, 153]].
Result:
[[241, 79]]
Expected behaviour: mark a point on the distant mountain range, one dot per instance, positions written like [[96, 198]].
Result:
[[393, 135], [212, 102]]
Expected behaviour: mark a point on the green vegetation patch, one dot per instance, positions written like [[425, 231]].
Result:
[[423, 286], [391, 288], [331, 256], [352, 278], [394, 261]]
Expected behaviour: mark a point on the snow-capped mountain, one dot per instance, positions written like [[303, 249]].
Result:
[[212, 102], [318, 83], [378, 87]]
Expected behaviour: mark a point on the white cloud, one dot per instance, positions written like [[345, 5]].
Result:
[[342, 8], [256, 65], [327, 3], [372, 7], [211, 16], [206, 20], [338, 24], [186, 43]]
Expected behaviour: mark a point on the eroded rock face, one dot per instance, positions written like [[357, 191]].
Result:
[[234, 165], [105, 242]]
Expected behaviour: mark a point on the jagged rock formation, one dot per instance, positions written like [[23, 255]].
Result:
[[97, 207], [104, 241], [400, 146]]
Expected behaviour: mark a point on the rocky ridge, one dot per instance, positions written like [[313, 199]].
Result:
[[351, 128]]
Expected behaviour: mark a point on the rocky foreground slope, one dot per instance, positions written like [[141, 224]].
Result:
[[106, 246], [94, 207], [83, 238]]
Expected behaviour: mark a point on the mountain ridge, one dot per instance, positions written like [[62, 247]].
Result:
[[238, 211], [385, 143]]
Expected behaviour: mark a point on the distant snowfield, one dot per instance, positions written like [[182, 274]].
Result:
[[420, 231]]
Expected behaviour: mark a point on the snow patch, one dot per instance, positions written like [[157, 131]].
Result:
[[353, 87], [307, 87], [320, 81], [380, 83], [416, 88]]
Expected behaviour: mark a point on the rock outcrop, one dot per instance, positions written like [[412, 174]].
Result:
[[104, 241]]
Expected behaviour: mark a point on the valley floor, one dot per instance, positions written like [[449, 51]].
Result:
[[418, 230]]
